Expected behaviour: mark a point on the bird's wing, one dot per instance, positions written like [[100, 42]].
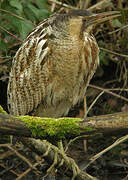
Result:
[[25, 88]]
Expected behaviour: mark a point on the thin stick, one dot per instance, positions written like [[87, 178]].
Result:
[[99, 5], [117, 142], [28, 170], [19, 17], [109, 92], [93, 104], [117, 89], [73, 140], [11, 34], [126, 26], [85, 105], [17, 153], [12, 171], [53, 6], [112, 52], [87, 2], [62, 4]]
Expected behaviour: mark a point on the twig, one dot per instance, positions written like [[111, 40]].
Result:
[[112, 52], [19, 17], [17, 153], [6, 170], [99, 5], [126, 26], [73, 140], [109, 92], [6, 154], [62, 4], [10, 34], [93, 103], [85, 106], [117, 142], [12, 171], [117, 89], [53, 6], [27, 171], [87, 2]]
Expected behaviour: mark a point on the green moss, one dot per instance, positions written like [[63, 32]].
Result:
[[49, 128], [2, 110]]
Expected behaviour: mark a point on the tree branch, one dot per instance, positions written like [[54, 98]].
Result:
[[44, 128], [65, 165], [53, 155]]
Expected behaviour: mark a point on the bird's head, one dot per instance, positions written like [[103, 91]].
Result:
[[84, 21], [79, 21]]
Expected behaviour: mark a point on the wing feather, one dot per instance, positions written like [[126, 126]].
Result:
[[26, 88]]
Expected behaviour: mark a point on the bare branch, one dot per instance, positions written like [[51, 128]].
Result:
[[100, 5], [51, 153]]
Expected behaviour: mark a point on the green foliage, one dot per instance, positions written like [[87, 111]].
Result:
[[116, 23], [19, 17], [3, 46], [102, 57]]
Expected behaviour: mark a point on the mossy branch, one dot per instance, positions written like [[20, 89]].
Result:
[[35, 126], [44, 128], [47, 128]]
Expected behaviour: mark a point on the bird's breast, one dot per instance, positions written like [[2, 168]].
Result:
[[73, 65]]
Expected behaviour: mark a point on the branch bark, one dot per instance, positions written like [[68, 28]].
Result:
[[28, 126], [55, 157]]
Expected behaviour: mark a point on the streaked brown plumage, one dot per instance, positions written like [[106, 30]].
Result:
[[52, 68]]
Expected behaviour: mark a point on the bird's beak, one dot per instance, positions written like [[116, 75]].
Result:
[[101, 17]]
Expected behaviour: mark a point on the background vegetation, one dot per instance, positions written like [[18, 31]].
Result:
[[19, 17]]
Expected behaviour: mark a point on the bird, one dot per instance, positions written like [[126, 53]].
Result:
[[53, 67]]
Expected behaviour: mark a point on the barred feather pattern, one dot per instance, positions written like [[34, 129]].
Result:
[[51, 70]]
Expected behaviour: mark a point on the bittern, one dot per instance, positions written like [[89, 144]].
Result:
[[54, 65]]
